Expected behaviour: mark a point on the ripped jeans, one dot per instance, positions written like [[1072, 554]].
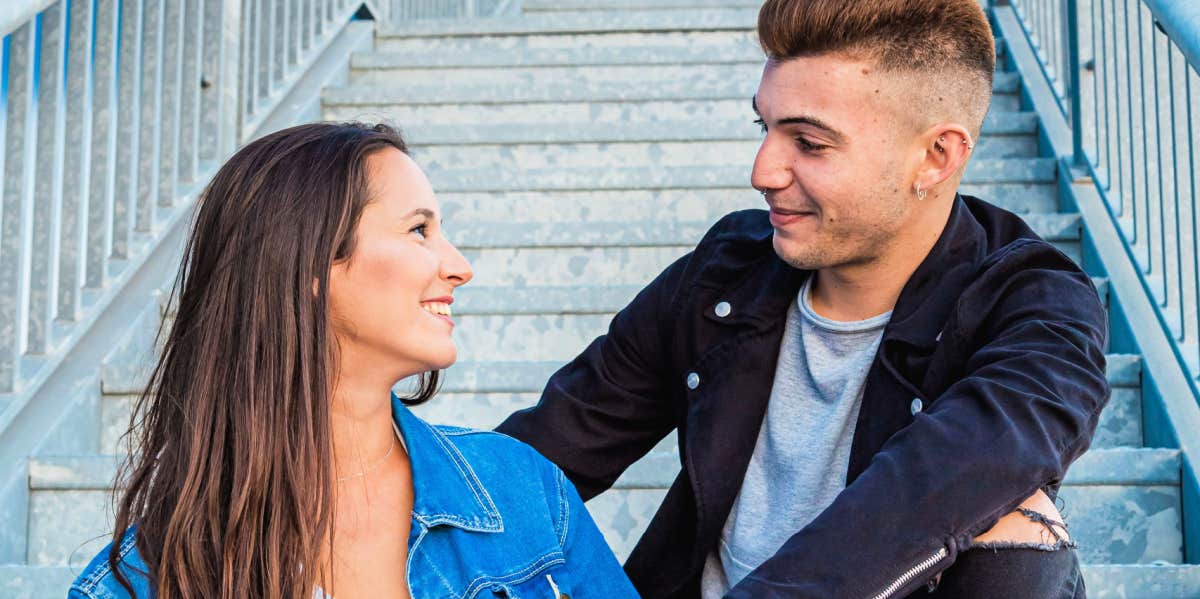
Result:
[[1014, 570]]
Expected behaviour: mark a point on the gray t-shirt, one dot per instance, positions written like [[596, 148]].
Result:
[[803, 450]]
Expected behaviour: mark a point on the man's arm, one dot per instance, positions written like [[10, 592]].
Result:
[[1026, 409], [608, 407]]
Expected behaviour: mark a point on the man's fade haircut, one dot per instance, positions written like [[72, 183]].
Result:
[[923, 37]]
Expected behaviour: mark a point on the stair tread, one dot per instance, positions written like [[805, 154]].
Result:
[[576, 56], [475, 235], [639, 22], [616, 5], [424, 135], [993, 170], [702, 86], [648, 54]]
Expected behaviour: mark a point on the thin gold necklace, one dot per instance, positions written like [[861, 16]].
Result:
[[375, 465]]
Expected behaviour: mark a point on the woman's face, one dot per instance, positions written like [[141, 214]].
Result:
[[390, 301]]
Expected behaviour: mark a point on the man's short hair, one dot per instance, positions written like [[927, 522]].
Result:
[[950, 37]]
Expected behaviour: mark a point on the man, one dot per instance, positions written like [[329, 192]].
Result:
[[872, 381]]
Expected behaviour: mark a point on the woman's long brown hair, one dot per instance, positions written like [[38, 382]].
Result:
[[228, 483]]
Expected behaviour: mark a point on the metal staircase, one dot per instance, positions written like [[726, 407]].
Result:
[[578, 149]]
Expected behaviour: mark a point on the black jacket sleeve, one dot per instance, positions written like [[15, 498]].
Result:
[[1026, 408]]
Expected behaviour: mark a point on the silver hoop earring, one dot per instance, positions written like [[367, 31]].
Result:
[[921, 193]]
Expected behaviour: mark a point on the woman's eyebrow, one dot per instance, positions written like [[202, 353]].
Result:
[[427, 213]]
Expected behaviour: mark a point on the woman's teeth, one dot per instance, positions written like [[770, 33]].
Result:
[[437, 308]]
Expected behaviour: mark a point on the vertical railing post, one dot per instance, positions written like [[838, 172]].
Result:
[[1071, 81], [47, 179], [74, 215], [17, 198], [221, 93]]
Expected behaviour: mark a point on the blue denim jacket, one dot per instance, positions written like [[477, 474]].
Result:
[[491, 518]]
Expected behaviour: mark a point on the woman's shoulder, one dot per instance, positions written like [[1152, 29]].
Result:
[[490, 452], [98, 581]]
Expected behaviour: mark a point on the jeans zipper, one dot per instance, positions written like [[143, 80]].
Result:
[[908, 576]]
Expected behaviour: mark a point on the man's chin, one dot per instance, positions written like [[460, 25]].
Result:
[[798, 255]]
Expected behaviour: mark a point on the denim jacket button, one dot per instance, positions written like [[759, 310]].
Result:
[[722, 309], [693, 381], [916, 406]]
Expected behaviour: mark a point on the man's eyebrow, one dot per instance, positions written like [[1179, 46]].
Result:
[[813, 122], [802, 120]]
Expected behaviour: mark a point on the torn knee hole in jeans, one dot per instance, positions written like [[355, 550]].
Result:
[[1055, 542]]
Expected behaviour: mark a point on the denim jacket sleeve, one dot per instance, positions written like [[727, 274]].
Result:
[[1026, 408], [586, 551]]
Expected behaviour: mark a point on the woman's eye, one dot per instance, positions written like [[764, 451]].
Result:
[[419, 230], [761, 124]]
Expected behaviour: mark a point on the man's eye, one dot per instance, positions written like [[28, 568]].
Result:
[[808, 146], [419, 230]]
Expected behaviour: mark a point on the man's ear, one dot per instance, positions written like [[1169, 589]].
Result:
[[947, 149]]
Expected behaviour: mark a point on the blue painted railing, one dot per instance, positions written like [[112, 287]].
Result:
[[1125, 73]]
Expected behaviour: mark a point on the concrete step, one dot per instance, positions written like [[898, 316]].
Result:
[[698, 28], [531, 7], [431, 135], [743, 51], [19, 581], [551, 84], [656, 153], [673, 204], [475, 235], [1123, 505], [715, 82], [357, 104], [1122, 581], [1154, 581], [1021, 171], [540, 6]]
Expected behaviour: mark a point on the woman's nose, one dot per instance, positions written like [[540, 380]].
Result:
[[455, 267]]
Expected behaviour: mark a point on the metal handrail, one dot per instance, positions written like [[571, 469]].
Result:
[[112, 115], [1127, 75]]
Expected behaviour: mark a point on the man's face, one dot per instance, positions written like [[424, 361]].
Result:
[[836, 161]]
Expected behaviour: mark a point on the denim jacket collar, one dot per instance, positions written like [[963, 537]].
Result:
[[447, 491]]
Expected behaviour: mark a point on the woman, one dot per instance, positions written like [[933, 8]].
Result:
[[272, 460]]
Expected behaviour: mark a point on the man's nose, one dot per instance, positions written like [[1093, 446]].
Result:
[[771, 167]]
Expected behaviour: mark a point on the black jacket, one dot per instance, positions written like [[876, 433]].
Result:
[[998, 334]]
